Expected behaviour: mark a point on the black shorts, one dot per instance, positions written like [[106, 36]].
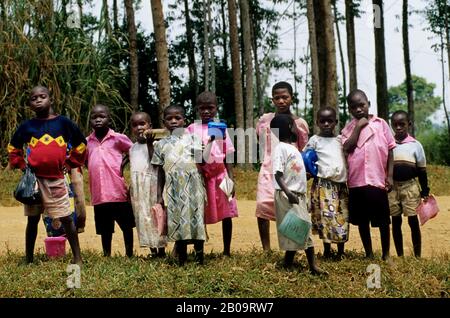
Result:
[[105, 214], [368, 204]]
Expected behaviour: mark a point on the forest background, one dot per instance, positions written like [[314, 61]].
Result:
[[90, 52]]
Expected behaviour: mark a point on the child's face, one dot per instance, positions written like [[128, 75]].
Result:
[[173, 119], [99, 118], [139, 124], [40, 101], [400, 125], [326, 122], [207, 111], [359, 106], [282, 100]]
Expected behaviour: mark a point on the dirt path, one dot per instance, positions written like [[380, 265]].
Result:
[[435, 233]]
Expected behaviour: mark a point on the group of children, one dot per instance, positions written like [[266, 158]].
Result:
[[171, 173], [356, 171], [365, 175]]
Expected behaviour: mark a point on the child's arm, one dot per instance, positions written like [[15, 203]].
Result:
[[352, 141], [160, 187], [150, 138], [207, 150], [423, 180], [15, 150], [390, 166], [293, 199], [78, 153], [229, 167], [125, 161]]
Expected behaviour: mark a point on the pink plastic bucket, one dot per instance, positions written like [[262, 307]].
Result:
[[55, 246]]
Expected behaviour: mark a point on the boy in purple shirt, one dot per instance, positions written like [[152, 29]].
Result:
[[368, 143], [109, 194]]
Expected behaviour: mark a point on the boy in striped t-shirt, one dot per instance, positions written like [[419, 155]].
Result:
[[409, 163]]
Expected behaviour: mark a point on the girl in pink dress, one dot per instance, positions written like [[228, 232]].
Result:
[[218, 207], [265, 209]]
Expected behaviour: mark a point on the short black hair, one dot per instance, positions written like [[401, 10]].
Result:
[[206, 97], [356, 92], [283, 85], [146, 116], [44, 88], [284, 123], [327, 108], [400, 112], [177, 107], [104, 106]]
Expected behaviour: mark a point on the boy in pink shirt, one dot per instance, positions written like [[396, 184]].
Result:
[[109, 194], [368, 143]]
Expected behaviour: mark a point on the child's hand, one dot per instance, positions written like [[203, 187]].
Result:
[[388, 184], [293, 199], [362, 122], [149, 136]]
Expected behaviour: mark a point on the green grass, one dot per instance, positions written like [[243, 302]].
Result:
[[250, 274]]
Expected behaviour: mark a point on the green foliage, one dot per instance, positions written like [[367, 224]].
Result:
[[436, 144], [38, 47], [245, 274], [425, 103]]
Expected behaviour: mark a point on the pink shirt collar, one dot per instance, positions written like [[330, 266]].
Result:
[[406, 140]]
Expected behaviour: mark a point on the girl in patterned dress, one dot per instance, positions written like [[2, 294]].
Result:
[[180, 185], [329, 194], [144, 183]]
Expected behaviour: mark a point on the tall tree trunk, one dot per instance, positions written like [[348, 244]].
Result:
[[206, 8], [235, 64], [80, 12], [248, 71], [326, 52], [212, 58], [134, 76], [248, 63], [115, 17], [193, 77], [104, 21], [447, 35], [259, 94], [443, 82], [162, 57], [294, 20], [409, 82], [315, 81], [344, 77], [224, 35], [380, 61], [351, 47]]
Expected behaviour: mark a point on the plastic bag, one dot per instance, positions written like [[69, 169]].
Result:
[[159, 217], [295, 228], [27, 190], [427, 210], [227, 186]]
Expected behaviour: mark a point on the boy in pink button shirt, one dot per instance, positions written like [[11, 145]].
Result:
[[109, 194], [368, 143]]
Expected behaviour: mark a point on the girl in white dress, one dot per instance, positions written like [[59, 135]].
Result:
[[144, 182]]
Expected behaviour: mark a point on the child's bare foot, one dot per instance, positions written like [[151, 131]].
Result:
[[317, 271]]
